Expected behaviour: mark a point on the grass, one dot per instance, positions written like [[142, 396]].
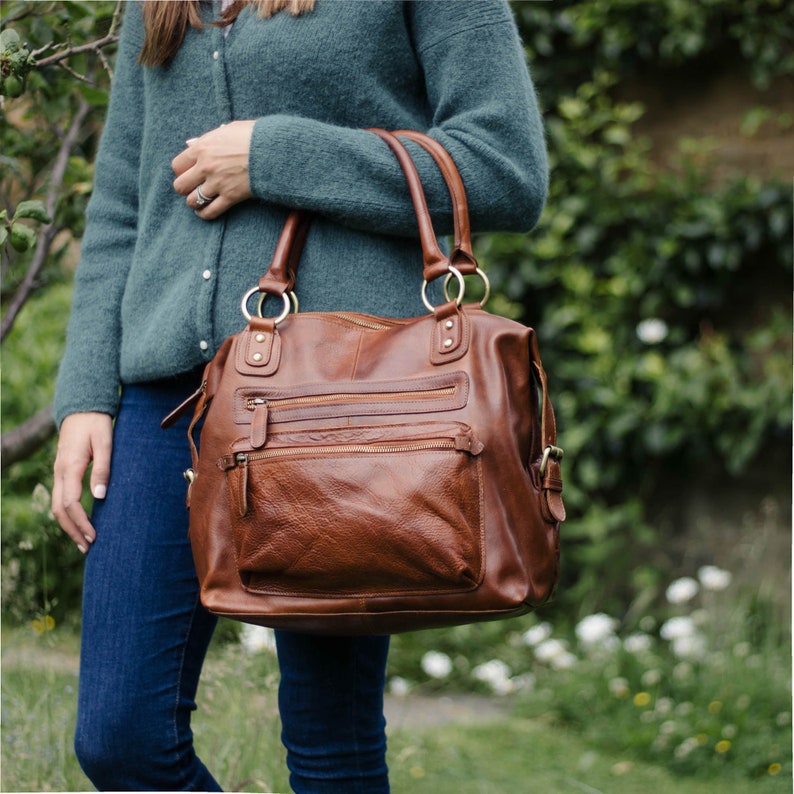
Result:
[[237, 731]]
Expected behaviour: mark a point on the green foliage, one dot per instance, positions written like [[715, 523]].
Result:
[[661, 297], [572, 38], [48, 139]]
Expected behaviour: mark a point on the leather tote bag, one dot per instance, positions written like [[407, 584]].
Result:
[[367, 475]]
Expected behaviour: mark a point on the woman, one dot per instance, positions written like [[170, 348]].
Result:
[[247, 119]]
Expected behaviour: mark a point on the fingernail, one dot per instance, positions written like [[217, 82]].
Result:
[[99, 491], [82, 548], [191, 141], [88, 539]]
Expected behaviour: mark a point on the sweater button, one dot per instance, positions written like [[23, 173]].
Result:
[[215, 55], [203, 344], [206, 275]]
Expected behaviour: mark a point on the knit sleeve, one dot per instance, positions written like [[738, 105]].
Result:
[[88, 379], [483, 109]]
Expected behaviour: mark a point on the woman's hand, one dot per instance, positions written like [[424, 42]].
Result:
[[217, 163], [84, 438]]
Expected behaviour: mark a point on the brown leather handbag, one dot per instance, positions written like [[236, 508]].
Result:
[[369, 475]]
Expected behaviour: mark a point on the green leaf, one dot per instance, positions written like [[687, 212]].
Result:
[[34, 209]]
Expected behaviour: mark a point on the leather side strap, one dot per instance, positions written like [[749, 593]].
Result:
[[551, 478]]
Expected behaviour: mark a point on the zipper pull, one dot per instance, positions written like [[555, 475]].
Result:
[[468, 442], [259, 423], [242, 482]]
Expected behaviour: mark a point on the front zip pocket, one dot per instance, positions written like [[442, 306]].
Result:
[[260, 408], [397, 515]]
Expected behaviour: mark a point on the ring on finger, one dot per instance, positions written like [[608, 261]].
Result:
[[201, 199]]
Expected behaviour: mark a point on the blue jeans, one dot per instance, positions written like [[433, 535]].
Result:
[[145, 635]]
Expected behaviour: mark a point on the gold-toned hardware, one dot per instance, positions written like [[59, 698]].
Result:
[[453, 271], [448, 343], [260, 337], [549, 452], [189, 476], [257, 357], [485, 281]]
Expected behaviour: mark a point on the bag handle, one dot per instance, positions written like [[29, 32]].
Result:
[[462, 256], [280, 276]]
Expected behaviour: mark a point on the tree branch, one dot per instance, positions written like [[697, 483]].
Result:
[[48, 232], [21, 442], [91, 46]]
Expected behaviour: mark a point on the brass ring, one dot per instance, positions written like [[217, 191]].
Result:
[[289, 301], [453, 271], [485, 281]]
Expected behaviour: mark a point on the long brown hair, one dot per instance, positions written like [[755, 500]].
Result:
[[165, 22]]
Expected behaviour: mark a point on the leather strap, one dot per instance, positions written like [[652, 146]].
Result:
[[462, 256], [280, 276], [436, 263]]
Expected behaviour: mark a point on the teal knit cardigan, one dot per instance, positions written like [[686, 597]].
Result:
[[158, 289]]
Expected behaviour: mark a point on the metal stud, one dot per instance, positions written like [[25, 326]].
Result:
[[260, 337], [448, 324], [447, 343], [257, 357]]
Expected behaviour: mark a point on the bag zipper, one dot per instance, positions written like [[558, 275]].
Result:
[[323, 399], [355, 320], [464, 442], [261, 407]]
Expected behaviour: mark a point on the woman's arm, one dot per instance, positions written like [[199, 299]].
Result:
[[89, 374], [484, 111]]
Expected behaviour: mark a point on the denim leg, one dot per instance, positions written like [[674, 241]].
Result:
[[144, 633], [331, 704]]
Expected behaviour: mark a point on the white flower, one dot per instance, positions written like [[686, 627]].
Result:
[[677, 627], [564, 661], [596, 629], [537, 634], [651, 678], [619, 687], [668, 727], [524, 682], [691, 647], [742, 649], [399, 686], [496, 674], [436, 664], [256, 639], [652, 331], [548, 649], [714, 578], [639, 642], [686, 747], [682, 590], [664, 706]]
